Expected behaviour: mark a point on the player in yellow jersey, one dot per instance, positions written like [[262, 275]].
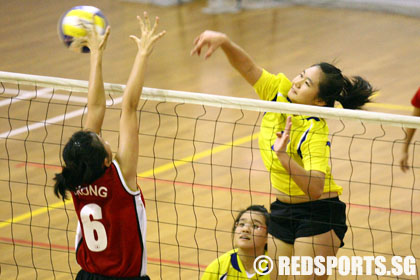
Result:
[[307, 218], [250, 241]]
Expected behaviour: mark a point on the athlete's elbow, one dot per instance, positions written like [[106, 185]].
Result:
[[129, 106], [316, 189], [315, 194]]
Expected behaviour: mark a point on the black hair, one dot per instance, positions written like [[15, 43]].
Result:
[[352, 92], [254, 209], [84, 156]]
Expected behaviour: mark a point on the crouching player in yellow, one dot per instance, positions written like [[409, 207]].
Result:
[[250, 241]]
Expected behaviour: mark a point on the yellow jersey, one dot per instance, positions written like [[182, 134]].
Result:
[[309, 145], [229, 266]]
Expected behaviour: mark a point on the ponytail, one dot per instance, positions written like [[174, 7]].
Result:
[[356, 93], [334, 86], [84, 157], [60, 186]]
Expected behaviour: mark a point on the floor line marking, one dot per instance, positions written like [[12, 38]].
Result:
[[56, 119], [24, 96], [197, 156]]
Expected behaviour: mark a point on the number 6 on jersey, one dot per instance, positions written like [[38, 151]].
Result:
[[91, 226]]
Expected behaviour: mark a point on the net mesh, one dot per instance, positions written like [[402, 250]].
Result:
[[199, 165]]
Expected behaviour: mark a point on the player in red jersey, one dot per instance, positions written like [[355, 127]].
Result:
[[415, 101], [110, 237]]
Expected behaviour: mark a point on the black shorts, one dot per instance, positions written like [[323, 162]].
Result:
[[291, 221], [84, 275]]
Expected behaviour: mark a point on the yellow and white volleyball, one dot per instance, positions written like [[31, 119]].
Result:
[[73, 24]]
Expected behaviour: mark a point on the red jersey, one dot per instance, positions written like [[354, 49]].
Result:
[[111, 232], [416, 99]]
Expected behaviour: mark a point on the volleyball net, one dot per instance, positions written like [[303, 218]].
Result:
[[199, 165]]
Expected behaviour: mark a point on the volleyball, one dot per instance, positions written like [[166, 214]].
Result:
[[73, 24]]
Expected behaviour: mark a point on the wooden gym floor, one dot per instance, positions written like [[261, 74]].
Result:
[[188, 221]]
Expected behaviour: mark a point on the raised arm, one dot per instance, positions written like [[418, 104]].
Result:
[[237, 57], [409, 137], [96, 92], [127, 154]]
